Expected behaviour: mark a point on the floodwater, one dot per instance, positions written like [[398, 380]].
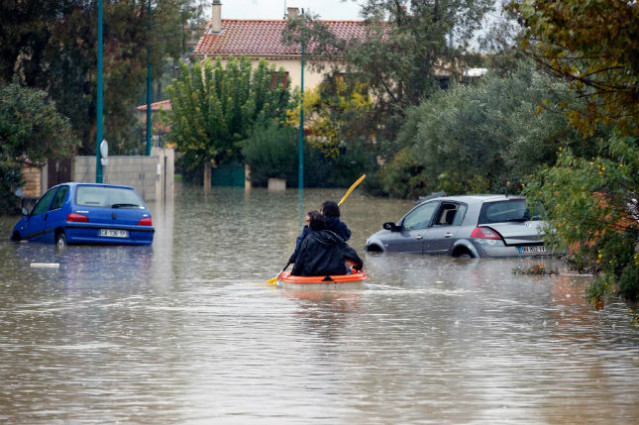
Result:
[[188, 332]]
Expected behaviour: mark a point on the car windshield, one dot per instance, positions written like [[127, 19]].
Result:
[[112, 197], [508, 210]]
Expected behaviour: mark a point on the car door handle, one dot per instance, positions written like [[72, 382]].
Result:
[[448, 235], [419, 237], [45, 217]]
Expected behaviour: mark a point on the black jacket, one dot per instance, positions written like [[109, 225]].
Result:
[[338, 226], [298, 243], [323, 253]]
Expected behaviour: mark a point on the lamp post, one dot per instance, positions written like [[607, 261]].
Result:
[[300, 201], [149, 93], [99, 131]]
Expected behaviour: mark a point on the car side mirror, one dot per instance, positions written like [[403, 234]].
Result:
[[392, 227]]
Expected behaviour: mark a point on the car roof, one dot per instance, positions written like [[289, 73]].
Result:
[[78, 184], [479, 198]]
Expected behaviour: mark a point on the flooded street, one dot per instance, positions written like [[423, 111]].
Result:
[[188, 332]]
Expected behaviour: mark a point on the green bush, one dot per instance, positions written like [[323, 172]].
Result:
[[31, 131], [271, 152], [487, 137]]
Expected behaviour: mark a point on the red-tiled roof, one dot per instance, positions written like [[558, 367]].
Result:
[[263, 38], [156, 106]]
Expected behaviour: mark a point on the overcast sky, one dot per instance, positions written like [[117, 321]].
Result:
[[275, 9]]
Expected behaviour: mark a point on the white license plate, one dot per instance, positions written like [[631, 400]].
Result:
[[114, 233], [532, 249]]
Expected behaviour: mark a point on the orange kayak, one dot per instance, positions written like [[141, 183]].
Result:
[[353, 280]]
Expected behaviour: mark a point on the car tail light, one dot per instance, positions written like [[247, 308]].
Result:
[[147, 221], [485, 233], [77, 218]]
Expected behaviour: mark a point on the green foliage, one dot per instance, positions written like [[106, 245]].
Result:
[[487, 137], [591, 197], [214, 108], [402, 58], [271, 151], [592, 206], [593, 44], [52, 45], [335, 115], [31, 130]]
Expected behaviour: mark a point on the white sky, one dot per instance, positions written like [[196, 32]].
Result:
[[275, 9]]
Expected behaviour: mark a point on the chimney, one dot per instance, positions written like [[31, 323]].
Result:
[[292, 12], [216, 18]]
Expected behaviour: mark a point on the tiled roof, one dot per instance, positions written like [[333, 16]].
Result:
[[156, 106], [263, 38]]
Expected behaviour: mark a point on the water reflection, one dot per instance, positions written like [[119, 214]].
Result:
[[187, 332]]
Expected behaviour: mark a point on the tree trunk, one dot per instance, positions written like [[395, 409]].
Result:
[[207, 176]]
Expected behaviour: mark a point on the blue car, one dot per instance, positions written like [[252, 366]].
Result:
[[71, 213]]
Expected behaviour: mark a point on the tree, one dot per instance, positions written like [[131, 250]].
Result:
[[592, 198], [409, 45], [334, 115], [593, 44], [52, 45], [271, 152], [214, 108], [31, 130], [488, 137]]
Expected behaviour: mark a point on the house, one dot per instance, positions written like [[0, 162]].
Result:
[[262, 39], [159, 130]]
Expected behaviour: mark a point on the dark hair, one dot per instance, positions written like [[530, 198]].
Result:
[[317, 221], [330, 209]]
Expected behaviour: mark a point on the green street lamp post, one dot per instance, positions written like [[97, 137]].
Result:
[[99, 133], [300, 201], [149, 92]]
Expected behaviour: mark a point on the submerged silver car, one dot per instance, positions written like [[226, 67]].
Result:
[[470, 226]]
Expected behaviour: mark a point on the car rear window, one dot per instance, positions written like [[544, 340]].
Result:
[[508, 210], [112, 197]]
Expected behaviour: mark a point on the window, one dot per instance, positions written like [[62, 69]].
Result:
[[510, 210], [278, 78], [59, 198], [451, 214], [43, 204], [96, 196], [420, 217]]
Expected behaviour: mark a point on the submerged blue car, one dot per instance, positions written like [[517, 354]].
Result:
[[74, 213]]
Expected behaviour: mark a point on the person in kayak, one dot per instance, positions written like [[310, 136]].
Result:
[[305, 231], [323, 252], [331, 213]]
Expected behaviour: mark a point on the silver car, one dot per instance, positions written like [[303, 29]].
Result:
[[470, 226]]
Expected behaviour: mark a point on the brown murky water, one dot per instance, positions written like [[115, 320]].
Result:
[[187, 332]]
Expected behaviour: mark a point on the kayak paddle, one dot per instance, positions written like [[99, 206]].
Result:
[[351, 189], [273, 281]]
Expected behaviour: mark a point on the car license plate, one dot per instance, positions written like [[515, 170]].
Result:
[[532, 249], [114, 233]]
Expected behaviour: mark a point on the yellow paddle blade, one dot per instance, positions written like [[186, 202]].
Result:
[[273, 281], [352, 188]]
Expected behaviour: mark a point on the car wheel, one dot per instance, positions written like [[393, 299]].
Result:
[[15, 237], [462, 253], [373, 248], [61, 240]]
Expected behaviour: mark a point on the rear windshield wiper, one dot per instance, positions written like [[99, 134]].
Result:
[[123, 205]]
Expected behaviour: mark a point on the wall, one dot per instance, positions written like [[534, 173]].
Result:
[[32, 178], [151, 176]]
